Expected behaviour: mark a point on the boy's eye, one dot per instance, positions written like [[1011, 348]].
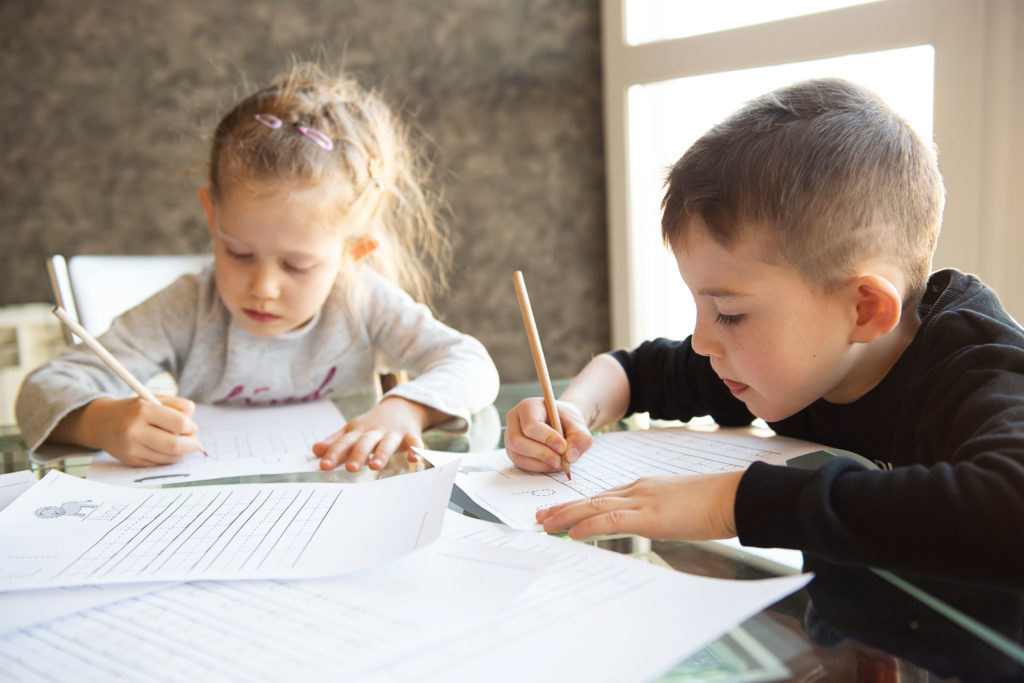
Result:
[[730, 319]]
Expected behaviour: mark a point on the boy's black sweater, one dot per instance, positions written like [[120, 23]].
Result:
[[948, 420]]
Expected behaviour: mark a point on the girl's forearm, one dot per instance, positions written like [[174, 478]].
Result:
[[75, 429]]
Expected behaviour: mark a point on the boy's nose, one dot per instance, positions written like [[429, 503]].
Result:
[[703, 340]]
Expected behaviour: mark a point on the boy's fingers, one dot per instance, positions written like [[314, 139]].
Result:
[[611, 522], [530, 464], [544, 434], [575, 513]]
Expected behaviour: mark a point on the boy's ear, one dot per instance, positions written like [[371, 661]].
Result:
[[878, 307], [361, 246], [204, 197]]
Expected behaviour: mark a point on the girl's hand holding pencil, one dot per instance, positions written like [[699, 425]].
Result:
[[138, 431]]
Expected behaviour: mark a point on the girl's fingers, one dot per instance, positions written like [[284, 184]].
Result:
[[360, 452], [182, 405], [338, 451], [144, 455], [358, 448], [330, 440], [384, 450], [169, 419]]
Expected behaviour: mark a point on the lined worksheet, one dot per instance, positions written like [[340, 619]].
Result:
[[238, 441], [483, 603], [66, 531], [615, 459]]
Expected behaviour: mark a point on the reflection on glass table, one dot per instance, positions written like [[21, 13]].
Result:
[[848, 624]]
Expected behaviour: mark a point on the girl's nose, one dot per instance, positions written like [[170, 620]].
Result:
[[264, 284]]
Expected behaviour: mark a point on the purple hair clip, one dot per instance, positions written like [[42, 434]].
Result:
[[272, 122], [317, 137], [268, 120]]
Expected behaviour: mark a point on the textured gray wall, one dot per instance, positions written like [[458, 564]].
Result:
[[107, 104]]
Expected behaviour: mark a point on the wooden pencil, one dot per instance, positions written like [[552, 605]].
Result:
[[538, 360]]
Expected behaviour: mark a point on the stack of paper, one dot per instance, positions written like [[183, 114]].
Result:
[[371, 581]]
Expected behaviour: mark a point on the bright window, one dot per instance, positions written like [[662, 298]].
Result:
[[648, 21]]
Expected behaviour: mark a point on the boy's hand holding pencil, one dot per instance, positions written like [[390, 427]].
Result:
[[534, 446], [550, 406]]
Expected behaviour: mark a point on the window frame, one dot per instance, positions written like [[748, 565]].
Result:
[[963, 75]]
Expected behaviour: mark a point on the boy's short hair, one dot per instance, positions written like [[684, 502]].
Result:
[[825, 172]]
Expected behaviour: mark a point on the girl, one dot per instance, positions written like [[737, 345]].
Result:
[[317, 216]]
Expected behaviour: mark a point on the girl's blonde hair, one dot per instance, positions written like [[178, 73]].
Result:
[[308, 129]]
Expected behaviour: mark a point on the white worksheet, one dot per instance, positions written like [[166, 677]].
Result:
[[615, 459], [20, 609], [594, 615], [66, 531], [420, 586], [238, 441], [470, 607], [13, 484]]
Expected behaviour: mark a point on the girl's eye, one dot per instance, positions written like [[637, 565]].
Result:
[[730, 319], [297, 269], [237, 255]]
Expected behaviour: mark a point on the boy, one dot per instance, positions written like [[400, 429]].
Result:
[[804, 227]]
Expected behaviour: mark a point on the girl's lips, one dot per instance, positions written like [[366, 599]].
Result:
[[736, 388], [260, 316]]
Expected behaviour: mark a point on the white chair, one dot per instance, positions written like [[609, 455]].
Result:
[[95, 289]]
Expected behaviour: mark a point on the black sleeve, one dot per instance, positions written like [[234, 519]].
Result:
[[952, 506], [668, 380], [923, 521]]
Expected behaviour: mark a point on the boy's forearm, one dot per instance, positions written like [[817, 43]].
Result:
[[600, 391]]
